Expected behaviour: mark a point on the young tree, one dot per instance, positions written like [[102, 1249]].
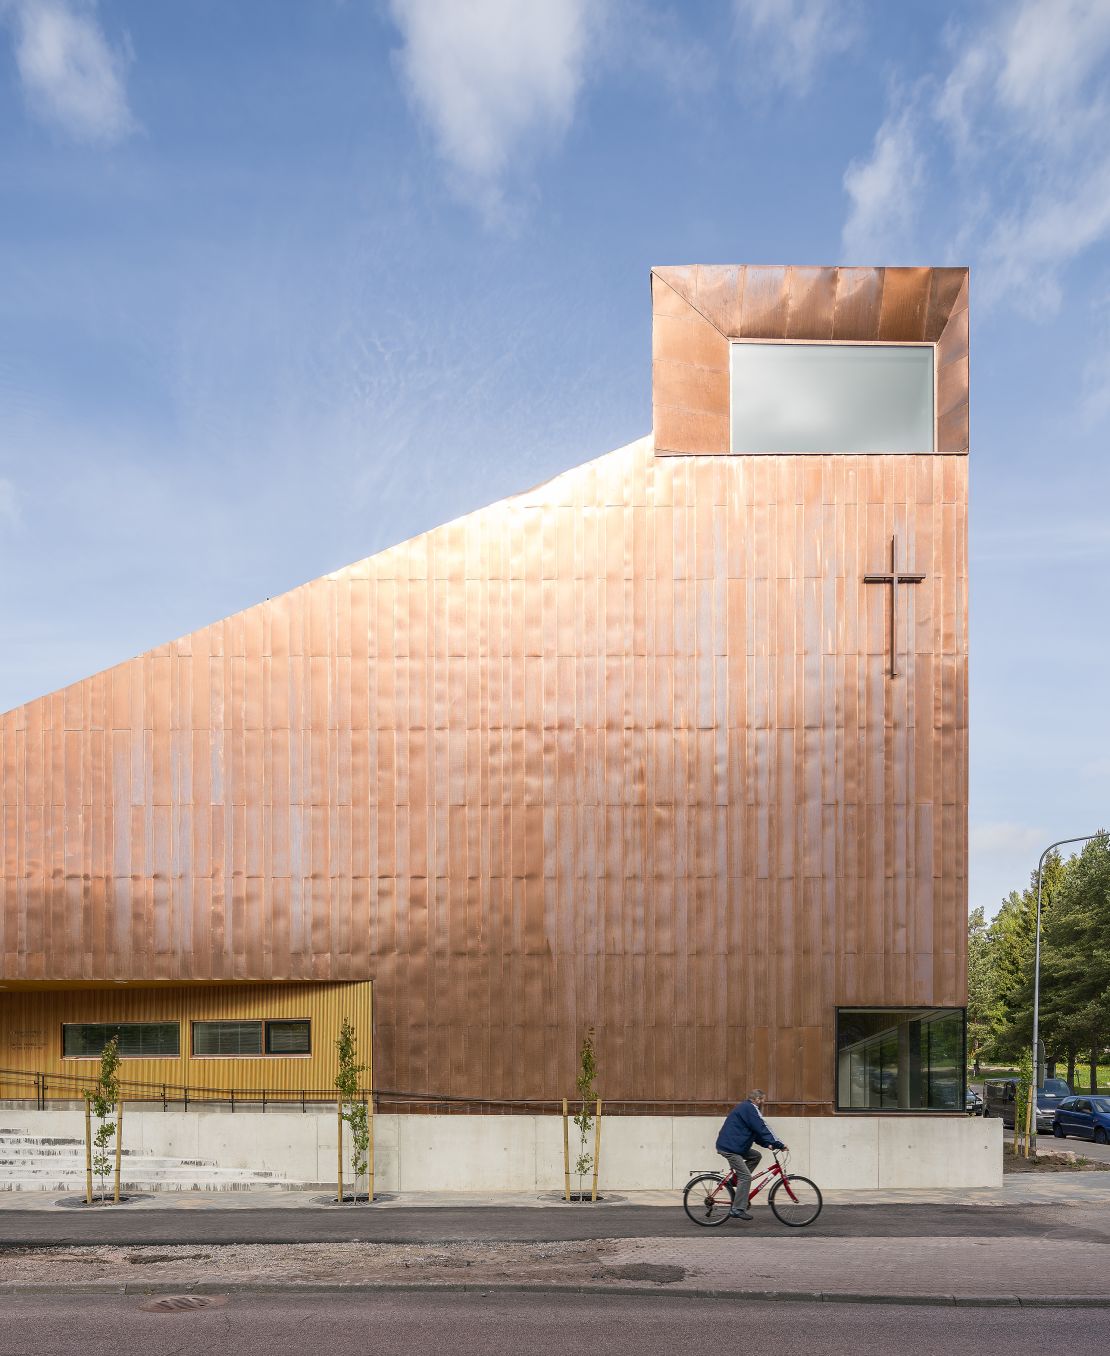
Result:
[[354, 1110], [1022, 1127], [103, 1098], [587, 1093]]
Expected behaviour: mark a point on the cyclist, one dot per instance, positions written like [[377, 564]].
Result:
[[744, 1126]]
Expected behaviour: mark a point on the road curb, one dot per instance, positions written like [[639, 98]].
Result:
[[624, 1291]]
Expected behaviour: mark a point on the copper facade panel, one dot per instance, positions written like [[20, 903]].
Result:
[[622, 751]]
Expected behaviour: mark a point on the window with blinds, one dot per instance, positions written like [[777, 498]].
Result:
[[288, 1038], [137, 1040], [227, 1038], [232, 1039]]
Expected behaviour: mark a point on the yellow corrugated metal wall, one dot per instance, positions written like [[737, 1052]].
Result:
[[31, 1032]]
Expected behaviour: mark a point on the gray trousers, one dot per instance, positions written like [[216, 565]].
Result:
[[743, 1165]]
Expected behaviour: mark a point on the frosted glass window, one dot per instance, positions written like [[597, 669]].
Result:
[[832, 398]]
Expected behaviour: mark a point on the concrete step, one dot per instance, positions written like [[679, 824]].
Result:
[[6, 1140], [39, 1163], [71, 1186], [23, 1153], [56, 1162], [149, 1168]]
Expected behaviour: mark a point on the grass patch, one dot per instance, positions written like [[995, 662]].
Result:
[[1082, 1076]]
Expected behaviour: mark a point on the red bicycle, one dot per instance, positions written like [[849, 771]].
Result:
[[794, 1200]]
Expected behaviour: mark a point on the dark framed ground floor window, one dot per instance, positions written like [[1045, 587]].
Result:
[[289, 1038], [137, 1040], [900, 1059], [254, 1037]]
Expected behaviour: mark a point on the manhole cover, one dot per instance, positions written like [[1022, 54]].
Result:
[[558, 1198], [176, 1304], [361, 1199]]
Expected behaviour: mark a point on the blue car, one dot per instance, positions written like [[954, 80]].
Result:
[[1083, 1117]]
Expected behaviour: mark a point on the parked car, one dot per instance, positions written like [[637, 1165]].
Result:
[[1083, 1117], [973, 1103], [999, 1095]]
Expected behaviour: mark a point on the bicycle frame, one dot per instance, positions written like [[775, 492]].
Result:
[[765, 1177]]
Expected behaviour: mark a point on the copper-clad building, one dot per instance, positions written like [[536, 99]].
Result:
[[672, 746]]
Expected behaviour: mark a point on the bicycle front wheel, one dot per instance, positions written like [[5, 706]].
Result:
[[795, 1201], [708, 1199]]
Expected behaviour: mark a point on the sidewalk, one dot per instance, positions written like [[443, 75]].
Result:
[[1018, 1189], [934, 1270], [1035, 1239]]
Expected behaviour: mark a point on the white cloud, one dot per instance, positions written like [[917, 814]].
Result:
[[72, 77], [883, 191], [1049, 48], [494, 79], [1001, 856], [1007, 838], [1023, 108], [796, 35], [1033, 63], [1026, 103], [1026, 251]]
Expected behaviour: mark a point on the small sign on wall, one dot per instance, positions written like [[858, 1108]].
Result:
[[24, 1038]]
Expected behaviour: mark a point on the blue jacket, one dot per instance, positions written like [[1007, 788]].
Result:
[[743, 1124]]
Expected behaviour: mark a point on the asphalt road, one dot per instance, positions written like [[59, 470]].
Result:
[[145, 1224], [506, 1325]]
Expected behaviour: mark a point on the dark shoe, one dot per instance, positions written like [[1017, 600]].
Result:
[[739, 1214]]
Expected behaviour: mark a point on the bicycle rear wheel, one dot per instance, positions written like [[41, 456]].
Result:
[[708, 1199], [795, 1201]]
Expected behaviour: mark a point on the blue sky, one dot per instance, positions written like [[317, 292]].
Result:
[[285, 281]]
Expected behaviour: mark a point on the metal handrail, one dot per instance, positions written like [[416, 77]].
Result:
[[135, 1090], [74, 1086]]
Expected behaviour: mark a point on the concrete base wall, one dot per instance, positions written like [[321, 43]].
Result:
[[525, 1153]]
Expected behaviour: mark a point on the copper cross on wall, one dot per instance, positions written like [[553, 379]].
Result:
[[894, 578]]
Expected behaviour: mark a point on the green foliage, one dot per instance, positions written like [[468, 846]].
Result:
[[984, 1013], [354, 1110], [1021, 1097], [587, 1095], [103, 1098], [1075, 964], [1013, 935]]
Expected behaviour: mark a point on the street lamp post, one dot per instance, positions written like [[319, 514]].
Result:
[[1063, 842]]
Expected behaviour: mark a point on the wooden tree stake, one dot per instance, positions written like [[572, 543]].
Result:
[[597, 1146], [88, 1153], [370, 1151], [566, 1151], [119, 1143], [339, 1153]]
